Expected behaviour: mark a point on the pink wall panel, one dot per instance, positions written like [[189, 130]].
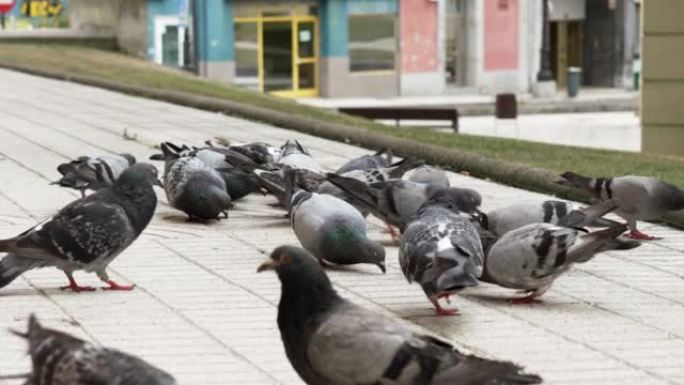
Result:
[[501, 35], [418, 25]]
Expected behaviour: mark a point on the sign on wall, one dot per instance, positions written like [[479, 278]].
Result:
[[41, 8], [501, 40]]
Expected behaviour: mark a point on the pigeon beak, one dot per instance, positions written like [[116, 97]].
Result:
[[382, 267], [157, 182], [268, 264]]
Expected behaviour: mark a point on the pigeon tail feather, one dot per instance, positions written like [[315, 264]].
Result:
[[402, 167], [599, 241], [12, 266], [588, 215]]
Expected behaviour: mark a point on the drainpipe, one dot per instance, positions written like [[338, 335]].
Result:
[[545, 73]]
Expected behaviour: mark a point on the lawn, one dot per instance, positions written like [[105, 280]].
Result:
[[117, 67]]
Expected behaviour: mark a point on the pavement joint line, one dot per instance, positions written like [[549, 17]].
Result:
[[573, 340], [181, 314], [29, 169], [606, 278]]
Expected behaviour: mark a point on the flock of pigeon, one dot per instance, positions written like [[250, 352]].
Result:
[[446, 244]]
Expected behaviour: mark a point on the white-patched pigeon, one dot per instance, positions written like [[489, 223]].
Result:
[[380, 159], [295, 155], [441, 249], [428, 175], [332, 230], [88, 233], [532, 257], [194, 187], [641, 198], [331, 341], [93, 173], [60, 359], [504, 219]]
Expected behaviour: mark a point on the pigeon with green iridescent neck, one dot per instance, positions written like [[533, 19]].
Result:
[[331, 229]]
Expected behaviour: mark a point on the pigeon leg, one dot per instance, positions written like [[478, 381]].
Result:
[[530, 298], [392, 232], [82, 193], [439, 310], [113, 286], [73, 286], [446, 297], [636, 234]]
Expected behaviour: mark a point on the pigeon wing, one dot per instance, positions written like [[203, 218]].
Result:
[[82, 232]]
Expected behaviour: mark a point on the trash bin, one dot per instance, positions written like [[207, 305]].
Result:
[[506, 106], [574, 75]]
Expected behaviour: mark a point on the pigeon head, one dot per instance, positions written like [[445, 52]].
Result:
[[305, 286], [572, 179], [139, 174], [43, 341], [455, 199], [371, 252]]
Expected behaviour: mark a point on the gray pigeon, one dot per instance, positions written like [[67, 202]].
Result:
[[504, 219], [380, 159], [641, 198], [373, 175], [259, 152], [295, 155], [93, 173], [441, 250], [239, 183], [332, 230], [396, 201], [194, 187], [274, 182], [331, 341], [532, 257], [429, 175], [88, 233], [59, 359]]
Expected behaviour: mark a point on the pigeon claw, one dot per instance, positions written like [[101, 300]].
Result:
[[636, 234], [440, 311], [76, 288], [113, 286]]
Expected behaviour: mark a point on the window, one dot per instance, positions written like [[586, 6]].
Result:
[[372, 42]]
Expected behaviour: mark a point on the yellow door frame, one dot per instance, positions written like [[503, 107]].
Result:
[[296, 60]]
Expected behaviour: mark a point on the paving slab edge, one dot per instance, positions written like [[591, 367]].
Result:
[[529, 178]]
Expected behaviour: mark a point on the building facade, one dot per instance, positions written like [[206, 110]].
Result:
[[383, 48]]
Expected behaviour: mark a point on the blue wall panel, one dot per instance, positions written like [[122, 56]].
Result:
[[372, 6], [334, 28]]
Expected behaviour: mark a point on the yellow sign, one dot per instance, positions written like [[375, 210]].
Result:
[[41, 8]]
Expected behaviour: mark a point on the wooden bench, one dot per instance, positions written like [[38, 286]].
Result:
[[403, 113]]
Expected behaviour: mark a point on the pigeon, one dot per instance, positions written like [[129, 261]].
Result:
[[641, 198], [373, 175], [396, 201], [88, 233], [259, 152], [295, 155], [332, 229], [239, 183], [504, 219], [532, 257], [59, 358], [93, 173], [194, 187], [332, 341], [441, 250], [274, 182], [429, 175], [380, 159]]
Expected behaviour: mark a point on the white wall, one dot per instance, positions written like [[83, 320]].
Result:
[[567, 9]]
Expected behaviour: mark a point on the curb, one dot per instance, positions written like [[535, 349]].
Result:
[[535, 179]]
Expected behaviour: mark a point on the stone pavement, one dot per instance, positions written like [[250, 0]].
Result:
[[201, 312]]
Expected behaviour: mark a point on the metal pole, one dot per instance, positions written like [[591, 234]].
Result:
[[545, 72]]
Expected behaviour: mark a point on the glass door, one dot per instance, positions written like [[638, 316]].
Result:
[[306, 58], [277, 56]]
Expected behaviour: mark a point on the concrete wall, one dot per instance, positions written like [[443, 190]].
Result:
[[662, 93], [125, 19]]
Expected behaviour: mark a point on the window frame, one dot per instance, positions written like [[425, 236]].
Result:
[[395, 63]]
